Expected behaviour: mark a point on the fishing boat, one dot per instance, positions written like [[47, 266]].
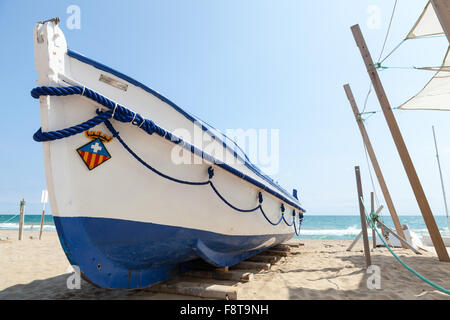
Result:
[[126, 213]]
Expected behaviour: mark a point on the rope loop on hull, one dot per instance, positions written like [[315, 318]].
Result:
[[120, 113]]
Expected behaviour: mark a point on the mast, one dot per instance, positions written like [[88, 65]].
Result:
[[442, 180]]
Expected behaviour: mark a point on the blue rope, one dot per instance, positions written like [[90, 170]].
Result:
[[299, 224], [229, 204], [64, 133], [115, 134], [293, 218], [268, 220], [122, 114]]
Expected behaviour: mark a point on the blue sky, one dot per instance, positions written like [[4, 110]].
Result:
[[243, 64]]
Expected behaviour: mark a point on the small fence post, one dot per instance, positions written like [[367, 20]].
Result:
[[372, 209], [22, 218], [363, 217]]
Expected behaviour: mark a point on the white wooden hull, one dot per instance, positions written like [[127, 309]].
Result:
[[124, 225]]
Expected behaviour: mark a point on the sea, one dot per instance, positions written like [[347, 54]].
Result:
[[338, 227], [31, 222]]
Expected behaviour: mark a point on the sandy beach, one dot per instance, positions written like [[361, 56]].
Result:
[[320, 269]]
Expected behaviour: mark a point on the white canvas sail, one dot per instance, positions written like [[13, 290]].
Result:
[[436, 93], [427, 25]]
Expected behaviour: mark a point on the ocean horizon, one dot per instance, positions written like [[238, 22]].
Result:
[[330, 227]]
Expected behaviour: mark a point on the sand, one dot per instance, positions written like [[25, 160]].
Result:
[[321, 269]]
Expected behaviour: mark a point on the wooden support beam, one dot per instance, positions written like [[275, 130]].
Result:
[[374, 160], [442, 9], [197, 289], [275, 253], [293, 243], [263, 258], [363, 217], [401, 147], [382, 225], [220, 275], [350, 247], [223, 269], [250, 265], [282, 247]]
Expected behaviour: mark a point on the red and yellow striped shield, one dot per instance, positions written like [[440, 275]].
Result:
[[94, 153]]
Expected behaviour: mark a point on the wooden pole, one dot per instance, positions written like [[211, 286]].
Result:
[[372, 209], [401, 147], [382, 225], [375, 165], [360, 234], [22, 218], [363, 217], [44, 199], [442, 9], [350, 247], [42, 223]]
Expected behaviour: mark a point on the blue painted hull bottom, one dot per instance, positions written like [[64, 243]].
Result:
[[113, 253]]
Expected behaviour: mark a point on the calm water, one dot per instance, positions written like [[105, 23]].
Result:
[[314, 227]]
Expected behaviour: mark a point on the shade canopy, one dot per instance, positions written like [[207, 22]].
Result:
[[436, 93], [427, 25]]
